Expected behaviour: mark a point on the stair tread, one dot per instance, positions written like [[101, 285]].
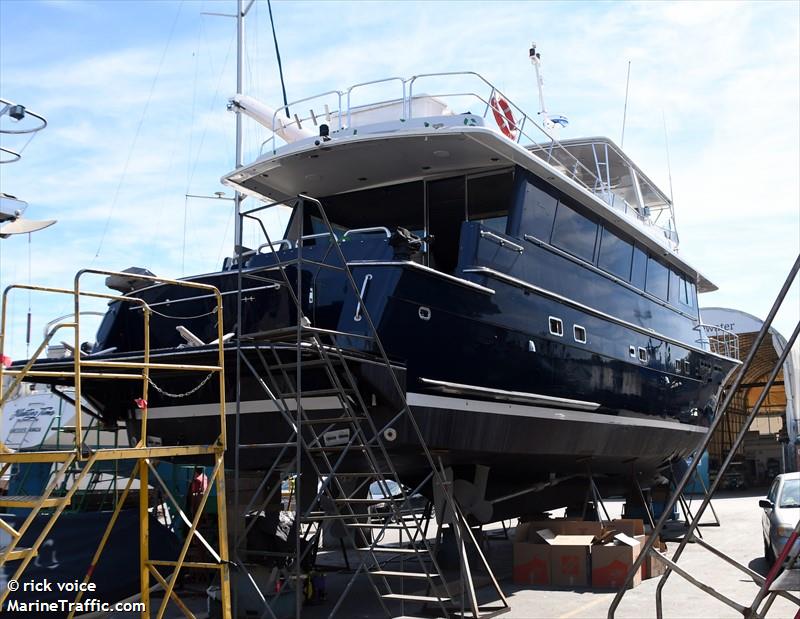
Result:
[[404, 574], [409, 551], [414, 598], [19, 553], [334, 420], [30, 501], [376, 525]]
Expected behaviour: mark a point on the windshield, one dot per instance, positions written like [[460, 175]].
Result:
[[790, 495]]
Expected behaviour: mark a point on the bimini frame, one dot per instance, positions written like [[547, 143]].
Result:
[[79, 455]]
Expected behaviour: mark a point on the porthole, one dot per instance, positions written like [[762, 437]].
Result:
[[642, 354], [424, 313], [556, 326], [579, 333], [632, 351]]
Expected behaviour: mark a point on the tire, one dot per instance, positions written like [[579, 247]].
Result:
[[768, 554]]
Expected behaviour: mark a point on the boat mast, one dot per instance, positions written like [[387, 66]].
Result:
[[241, 12]]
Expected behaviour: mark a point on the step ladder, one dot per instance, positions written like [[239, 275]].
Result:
[[332, 446]]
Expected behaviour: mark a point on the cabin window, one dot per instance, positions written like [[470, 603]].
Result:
[[391, 207], [643, 354], [675, 285], [632, 351], [574, 233], [488, 198], [639, 270], [691, 292], [687, 292], [556, 326], [684, 291], [657, 279], [538, 212], [579, 333], [616, 255]]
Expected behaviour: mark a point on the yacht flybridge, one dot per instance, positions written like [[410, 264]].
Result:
[[528, 293]]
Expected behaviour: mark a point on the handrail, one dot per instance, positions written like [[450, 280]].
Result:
[[308, 237], [80, 363], [369, 230], [719, 340], [272, 245], [539, 141]]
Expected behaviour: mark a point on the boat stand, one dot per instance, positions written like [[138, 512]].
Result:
[[78, 461], [320, 453], [770, 587]]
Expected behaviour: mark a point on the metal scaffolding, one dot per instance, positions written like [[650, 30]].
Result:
[[79, 459]]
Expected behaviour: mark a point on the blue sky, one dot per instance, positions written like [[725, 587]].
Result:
[[135, 95]]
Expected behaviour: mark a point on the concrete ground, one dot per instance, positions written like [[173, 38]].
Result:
[[739, 537]]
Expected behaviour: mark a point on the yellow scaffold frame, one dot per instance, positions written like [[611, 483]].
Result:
[[144, 454]]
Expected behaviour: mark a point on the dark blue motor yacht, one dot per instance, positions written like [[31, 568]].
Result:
[[528, 292]]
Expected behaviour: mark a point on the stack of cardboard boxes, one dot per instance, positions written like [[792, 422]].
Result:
[[572, 553]]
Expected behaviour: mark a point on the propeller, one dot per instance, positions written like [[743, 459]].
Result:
[[12, 221]]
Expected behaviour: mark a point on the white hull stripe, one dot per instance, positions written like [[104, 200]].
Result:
[[538, 412], [428, 401], [249, 407]]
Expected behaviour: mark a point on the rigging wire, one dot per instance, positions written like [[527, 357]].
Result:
[[136, 134], [278, 54], [625, 108]]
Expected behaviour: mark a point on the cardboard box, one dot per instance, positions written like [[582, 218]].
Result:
[[531, 555], [569, 558], [531, 564], [651, 566], [611, 562], [629, 526]]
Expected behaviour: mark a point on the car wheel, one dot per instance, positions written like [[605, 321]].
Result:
[[768, 554]]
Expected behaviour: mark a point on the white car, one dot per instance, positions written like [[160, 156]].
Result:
[[781, 513]]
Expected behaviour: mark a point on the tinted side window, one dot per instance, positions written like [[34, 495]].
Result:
[[639, 267], [488, 198], [574, 233], [538, 212], [676, 283], [616, 255], [691, 292], [657, 278]]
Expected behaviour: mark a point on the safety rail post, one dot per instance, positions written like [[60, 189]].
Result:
[[690, 471]]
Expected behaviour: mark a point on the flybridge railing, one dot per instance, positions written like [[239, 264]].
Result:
[[718, 340], [337, 109]]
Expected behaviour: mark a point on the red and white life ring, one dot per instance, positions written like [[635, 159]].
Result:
[[504, 117]]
